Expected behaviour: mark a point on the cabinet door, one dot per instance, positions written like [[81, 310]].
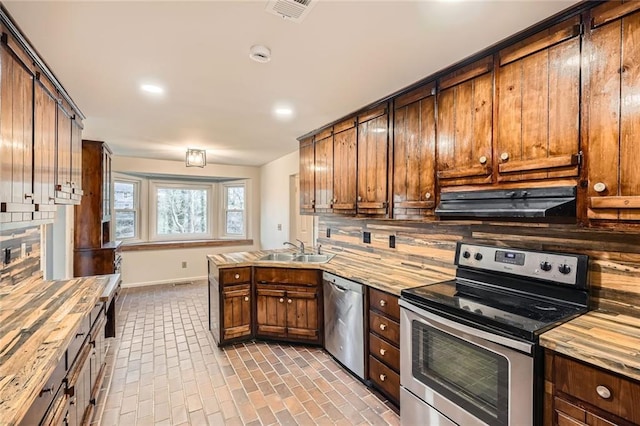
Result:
[[271, 311], [302, 314], [106, 184], [236, 307], [414, 144], [76, 159], [465, 111], [345, 162], [373, 154], [63, 156], [16, 130], [614, 113], [538, 119], [44, 150], [307, 176], [324, 172]]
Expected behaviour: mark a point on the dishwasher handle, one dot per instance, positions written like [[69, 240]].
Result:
[[342, 284], [337, 287]]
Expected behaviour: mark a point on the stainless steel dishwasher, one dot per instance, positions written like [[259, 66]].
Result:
[[343, 321]]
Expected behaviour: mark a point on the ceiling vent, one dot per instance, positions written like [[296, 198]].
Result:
[[292, 10]]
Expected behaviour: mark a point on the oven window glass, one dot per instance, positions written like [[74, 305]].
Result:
[[472, 377]]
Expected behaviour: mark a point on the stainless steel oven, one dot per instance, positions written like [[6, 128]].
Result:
[[469, 345], [467, 373]]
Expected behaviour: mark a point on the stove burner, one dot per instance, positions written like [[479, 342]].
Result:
[[545, 308]]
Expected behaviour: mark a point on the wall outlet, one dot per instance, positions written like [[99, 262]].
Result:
[[184, 265], [328, 232], [392, 241], [366, 237], [279, 227]]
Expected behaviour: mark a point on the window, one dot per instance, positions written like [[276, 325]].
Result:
[[182, 211], [126, 208], [234, 210]]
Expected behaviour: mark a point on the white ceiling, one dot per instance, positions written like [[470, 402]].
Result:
[[344, 55]]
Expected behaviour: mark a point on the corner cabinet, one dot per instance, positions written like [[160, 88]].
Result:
[[414, 152], [230, 304], [94, 251], [581, 394], [613, 82], [288, 304]]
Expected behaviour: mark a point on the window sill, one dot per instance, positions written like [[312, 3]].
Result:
[[168, 245]]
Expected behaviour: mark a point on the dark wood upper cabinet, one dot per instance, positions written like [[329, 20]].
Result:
[[414, 142], [16, 130], [307, 176], [345, 163], [538, 113], [44, 153], [373, 159], [68, 156], [324, 171], [613, 84], [465, 120]]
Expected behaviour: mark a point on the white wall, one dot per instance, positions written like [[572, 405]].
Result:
[[165, 266], [274, 193]]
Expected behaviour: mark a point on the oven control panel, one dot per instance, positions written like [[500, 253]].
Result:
[[555, 267]]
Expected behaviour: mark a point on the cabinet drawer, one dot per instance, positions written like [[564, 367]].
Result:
[[235, 275], [384, 378], [384, 302], [80, 335], [384, 351], [385, 327], [287, 276], [591, 385]]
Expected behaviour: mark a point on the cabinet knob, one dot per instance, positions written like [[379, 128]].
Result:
[[359, 198], [504, 156], [236, 276], [599, 187], [383, 303], [483, 160], [383, 327], [603, 392], [28, 195], [427, 196], [289, 301], [246, 298], [281, 300], [383, 377], [383, 351]]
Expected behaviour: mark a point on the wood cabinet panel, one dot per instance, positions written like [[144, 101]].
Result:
[[271, 311], [385, 352], [385, 303], [302, 313], [44, 151], [16, 126], [310, 277], [235, 276], [538, 91], [414, 154], [373, 156], [385, 378], [614, 119], [324, 173], [237, 311], [307, 176], [464, 136], [345, 159], [384, 327]]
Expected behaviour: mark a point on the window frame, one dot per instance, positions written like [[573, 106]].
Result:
[[154, 185], [223, 210], [136, 209]]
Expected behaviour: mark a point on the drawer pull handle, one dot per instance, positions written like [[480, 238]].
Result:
[[599, 187], [281, 300], [483, 160], [46, 390], [427, 196], [236, 276], [603, 391], [383, 327], [289, 301], [383, 303], [504, 156], [246, 298], [383, 351], [79, 335], [383, 377]]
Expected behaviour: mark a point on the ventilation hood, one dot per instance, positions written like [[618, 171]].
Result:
[[515, 203]]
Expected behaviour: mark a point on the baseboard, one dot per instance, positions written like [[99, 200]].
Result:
[[164, 282]]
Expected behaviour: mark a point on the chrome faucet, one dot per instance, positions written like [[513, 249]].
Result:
[[300, 249], [301, 246]]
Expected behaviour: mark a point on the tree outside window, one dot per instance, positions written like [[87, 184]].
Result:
[[181, 211], [125, 202], [235, 210]]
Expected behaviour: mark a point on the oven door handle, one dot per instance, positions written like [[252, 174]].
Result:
[[471, 333]]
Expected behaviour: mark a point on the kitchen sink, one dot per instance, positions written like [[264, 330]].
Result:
[[279, 257], [314, 258]]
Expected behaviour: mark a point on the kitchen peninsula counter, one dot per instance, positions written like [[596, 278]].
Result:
[[38, 320]]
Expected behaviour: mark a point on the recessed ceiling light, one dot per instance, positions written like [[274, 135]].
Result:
[[152, 88], [283, 111], [260, 53]]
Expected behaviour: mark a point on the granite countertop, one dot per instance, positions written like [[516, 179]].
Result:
[[367, 269], [607, 340], [37, 322]]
